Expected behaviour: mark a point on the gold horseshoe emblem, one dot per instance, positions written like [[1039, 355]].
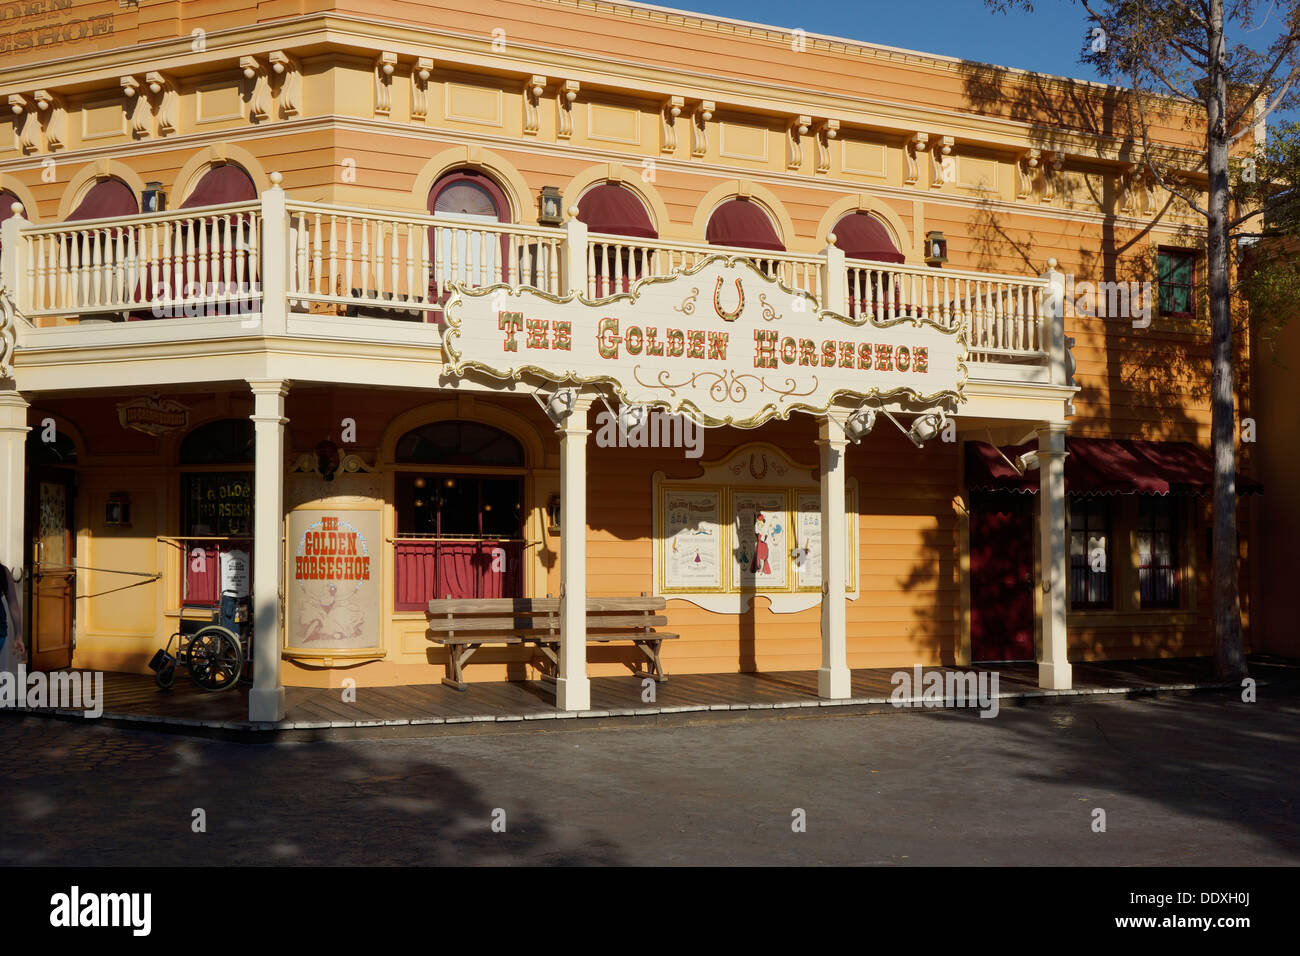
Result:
[[717, 302]]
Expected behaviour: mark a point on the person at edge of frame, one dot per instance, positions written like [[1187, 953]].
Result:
[[12, 653]]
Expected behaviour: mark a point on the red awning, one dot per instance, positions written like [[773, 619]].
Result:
[[219, 185], [107, 199], [738, 222], [613, 210], [862, 236], [1105, 466]]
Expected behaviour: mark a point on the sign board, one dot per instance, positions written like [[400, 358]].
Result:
[[333, 593], [153, 416], [721, 342]]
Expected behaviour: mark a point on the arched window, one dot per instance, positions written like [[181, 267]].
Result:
[[61, 451], [228, 441], [107, 199], [461, 253], [459, 443], [614, 210], [744, 224], [216, 507], [863, 236], [223, 183], [459, 529], [470, 195]]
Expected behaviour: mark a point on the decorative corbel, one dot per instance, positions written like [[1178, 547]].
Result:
[[1128, 193], [289, 71], [918, 143], [564, 98], [794, 132], [137, 106], [26, 121], [668, 114], [1055, 162], [258, 86], [1027, 172], [167, 102], [420, 88], [827, 130], [943, 159], [56, 119], [385, 67], [533, 91], [700, 118]]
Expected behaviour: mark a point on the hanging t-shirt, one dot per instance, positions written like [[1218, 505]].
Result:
[[234, 573]]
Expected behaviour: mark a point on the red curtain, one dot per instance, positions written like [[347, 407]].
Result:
[[219, 185], [107, 199], [456, 569]]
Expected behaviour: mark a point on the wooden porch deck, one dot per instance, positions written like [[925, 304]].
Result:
[[434, 708]]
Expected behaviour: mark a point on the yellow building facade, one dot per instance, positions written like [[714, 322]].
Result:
[[236, 245]]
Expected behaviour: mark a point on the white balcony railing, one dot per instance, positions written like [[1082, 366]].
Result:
[[157, 265], [362, 262]]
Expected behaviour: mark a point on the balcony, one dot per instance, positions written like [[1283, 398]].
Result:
[[347, 272]]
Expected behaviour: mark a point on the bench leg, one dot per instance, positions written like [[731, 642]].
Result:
[[552, 654], [651, 650], [456, 664]]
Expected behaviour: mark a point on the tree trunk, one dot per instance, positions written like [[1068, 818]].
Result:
[[1229, 659]]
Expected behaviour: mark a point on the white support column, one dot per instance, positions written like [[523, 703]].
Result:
[[13, 441], [833, 676], [266, 699], [1053, 665], [573, 687], [575, 254]]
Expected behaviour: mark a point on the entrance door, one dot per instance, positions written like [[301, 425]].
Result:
[[53, 579], [1002, 578]]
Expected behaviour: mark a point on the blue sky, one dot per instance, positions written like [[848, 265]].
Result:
[[1048, 41]]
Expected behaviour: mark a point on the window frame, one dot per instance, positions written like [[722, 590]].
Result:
[[1103, 505], [1193, 255], [1146, 508]]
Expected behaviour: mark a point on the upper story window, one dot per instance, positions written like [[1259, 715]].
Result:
[[107, 199], [470, 195], [742, 223], [1176, 276], [615, 210], [862, 236], [221, 184], [459, 443]]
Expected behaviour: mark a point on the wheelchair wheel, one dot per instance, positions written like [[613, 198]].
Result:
[[165, 676], [216, 658]]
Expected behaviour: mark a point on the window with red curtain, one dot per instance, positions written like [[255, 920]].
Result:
[[744, 224], [612, 209], [862, 236], [107, 199], [458, 535]]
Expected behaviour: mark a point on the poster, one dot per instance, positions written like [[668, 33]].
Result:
[[760, 540], [333, 580], [807, 553], [692, 539]]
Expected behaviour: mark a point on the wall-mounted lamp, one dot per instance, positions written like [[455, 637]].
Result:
[[859, 424], [117, 510], [925, 427], [558, 405], [153, 199], [936, 248], [549, 211]]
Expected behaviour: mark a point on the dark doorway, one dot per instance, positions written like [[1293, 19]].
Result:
[[1002, 577]]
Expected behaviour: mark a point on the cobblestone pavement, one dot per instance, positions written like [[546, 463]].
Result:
[[1182, 780]]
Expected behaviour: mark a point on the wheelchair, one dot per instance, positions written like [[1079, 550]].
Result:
[[215, 656]]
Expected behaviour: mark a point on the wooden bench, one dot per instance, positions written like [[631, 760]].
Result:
[[465, 625]]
